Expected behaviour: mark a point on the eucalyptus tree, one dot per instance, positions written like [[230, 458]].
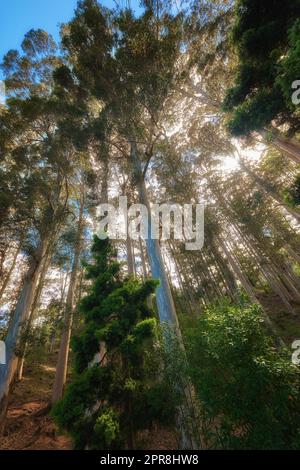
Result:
[[263, 88], [33, 143], [28, 77], [131, 77], [213, 64], [128, 64], [63, 354], [254, 235]]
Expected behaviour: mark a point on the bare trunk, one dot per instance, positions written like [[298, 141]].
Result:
[[267, 269], [7, 371], [143, 261], [165, 304], [268, 189], [37, 295], [224, 268], [289, 147], [130, 258], [61, 303], [104, 180], [250, 291], [185, 292], [63, 354], [8, 275]]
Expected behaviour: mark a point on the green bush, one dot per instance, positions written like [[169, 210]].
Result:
[[292, 194], [249, 393], [107, 428]]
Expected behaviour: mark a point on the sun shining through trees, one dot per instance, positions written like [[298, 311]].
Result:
[[184, 332]]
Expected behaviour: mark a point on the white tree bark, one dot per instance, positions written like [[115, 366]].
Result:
[[165, 303], [22, 310]]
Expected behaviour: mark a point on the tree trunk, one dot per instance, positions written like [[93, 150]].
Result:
[[229, 279], [37, 295], [7, 371], [63, 354], [164, 300], [268, 189], [104, 179], [8, 275], [250, 291], [165, 304], [289, 147], [143, 261], [130, 258], [185, 292]]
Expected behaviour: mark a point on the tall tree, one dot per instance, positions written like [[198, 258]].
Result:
[[261, 37], [108, 402], [63, 354]]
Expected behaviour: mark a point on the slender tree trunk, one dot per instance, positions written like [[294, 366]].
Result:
[[185, 292], [133, 257], [258, 254], [2, 259], [165, 304], [268, 189], [104, 179], [250, 291], [224, 268], [37, 295], [63, 354], [143, 261], [267, 269], [293, 253], [80, 285], [7, 371], [61, 304], [9, 273], [289, 147], [130, 258]]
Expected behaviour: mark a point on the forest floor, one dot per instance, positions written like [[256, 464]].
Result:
[[287, 325], [29, 425]]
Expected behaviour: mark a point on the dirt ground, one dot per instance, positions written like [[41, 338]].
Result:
[[29, 426], [287, 324]]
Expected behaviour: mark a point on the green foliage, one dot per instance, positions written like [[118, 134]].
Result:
[[37, 338], [107, 428], [249, 392], [108, 402], [264, 32], [27, 73], [290, 65], [125, 61], [292, 194], [296, 269]]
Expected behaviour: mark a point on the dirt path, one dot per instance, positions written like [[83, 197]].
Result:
[[28, 425]]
